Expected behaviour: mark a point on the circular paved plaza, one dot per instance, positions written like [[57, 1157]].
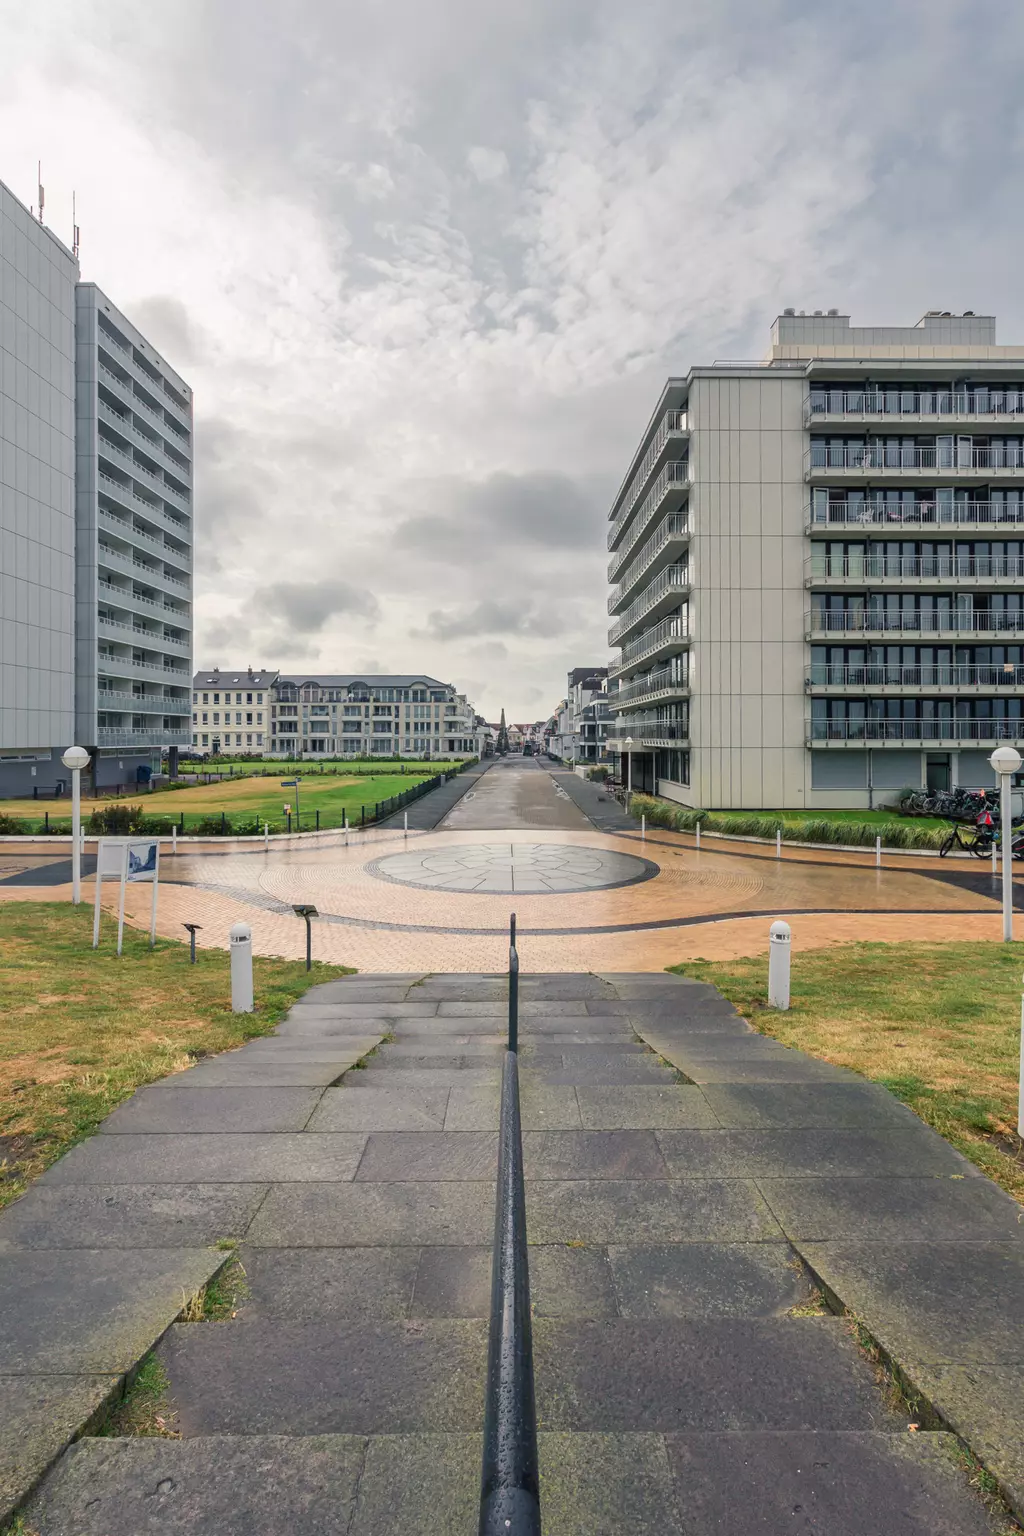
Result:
[[510, 868]]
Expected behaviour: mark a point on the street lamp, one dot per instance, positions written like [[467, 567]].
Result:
[[628, 744], [76, 758], [1005, 762], [307, 913], [193, 929]]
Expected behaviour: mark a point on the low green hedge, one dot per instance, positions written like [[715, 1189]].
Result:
[[810, 829]]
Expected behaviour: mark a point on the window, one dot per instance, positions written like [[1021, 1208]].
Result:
[[205, 718], [206, 698], [195, 740], [248, 718], [195, 718], [206, 740], [195, 700], [259, 738], [216, 698], [248, 698], [259, 698], [352, 709], [248, 738], [259, 717], [238, 698], [238, 739], [216, 717]]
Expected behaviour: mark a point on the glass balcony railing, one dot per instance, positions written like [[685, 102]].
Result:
[[877, 456], [919, 567], [943, 729], [673, 527], [673, 424], [674, 579], [665, 680], [914, 402], [921, 622], [668, 631], [965, 514], [920, 675], [675, 474]]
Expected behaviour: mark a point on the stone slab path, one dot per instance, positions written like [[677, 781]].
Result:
[[690, 1186]]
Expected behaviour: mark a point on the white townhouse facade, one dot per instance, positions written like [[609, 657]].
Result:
[[231, 711], [348, 715], [818, 569]]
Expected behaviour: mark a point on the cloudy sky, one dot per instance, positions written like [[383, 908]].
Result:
[[427, 263]]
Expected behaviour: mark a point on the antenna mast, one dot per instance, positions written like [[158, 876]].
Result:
[[42, 195], [75, 236]]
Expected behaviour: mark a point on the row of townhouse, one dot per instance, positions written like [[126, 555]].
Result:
[[96, 525], [337, 715], [817, 569]]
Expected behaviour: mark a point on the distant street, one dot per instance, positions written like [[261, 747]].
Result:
[[516, 792]]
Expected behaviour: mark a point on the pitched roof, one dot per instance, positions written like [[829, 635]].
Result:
[[235, 677]]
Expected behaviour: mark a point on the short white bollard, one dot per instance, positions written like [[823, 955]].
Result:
[[241, 969], [878, 853], [405, 822], [995, 853], [174, 839], [778, 842], [266, 834], [780, 943], [643, 829], [697, 830]]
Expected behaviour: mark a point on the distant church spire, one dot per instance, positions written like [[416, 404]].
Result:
[[502, 735]]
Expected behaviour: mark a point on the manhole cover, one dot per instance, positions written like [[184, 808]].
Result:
[[514, 868]]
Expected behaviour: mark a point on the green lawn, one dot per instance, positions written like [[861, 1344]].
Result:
[[82, 1029], [936, 1024]]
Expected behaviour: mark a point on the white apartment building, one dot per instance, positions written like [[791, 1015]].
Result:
[[133, 629], [818, 569], [37, 500], [351, 716], [231, 711], [578, 730]]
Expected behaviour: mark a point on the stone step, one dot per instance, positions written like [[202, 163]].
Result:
[[854, 1483]]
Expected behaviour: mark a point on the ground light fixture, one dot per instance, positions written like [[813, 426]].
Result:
[[628, 744], [1005, 762], [76, 758], [307, 913], [193, 929]]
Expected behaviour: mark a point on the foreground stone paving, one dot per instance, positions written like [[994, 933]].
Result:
[[688, 1183]]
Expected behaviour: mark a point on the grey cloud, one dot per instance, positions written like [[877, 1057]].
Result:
[[492, 617], [303, 607], [165, 321], [543, 510]]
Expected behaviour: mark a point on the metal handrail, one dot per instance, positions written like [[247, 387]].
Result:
[[513, 987], [509, 1483]]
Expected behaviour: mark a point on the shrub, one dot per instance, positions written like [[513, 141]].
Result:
[[811, 829], [116, 820], [10, 825], [599, 774], [213, 826]]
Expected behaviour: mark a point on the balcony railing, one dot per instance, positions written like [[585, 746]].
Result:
[[152, 736], [675, 473], [916, 730], [909, 402], [665, 680], [128, 599], [673, 527], [675, 579], [917, 514], [922, 675], [876, 456], [929, 621], [675, 628], [143, 704], [924, 567], [126, 530], [673, 424]]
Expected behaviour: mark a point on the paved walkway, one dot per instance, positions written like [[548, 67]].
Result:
[[433, 807], [688, 1185]]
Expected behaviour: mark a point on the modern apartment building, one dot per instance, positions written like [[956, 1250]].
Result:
[[95, 526], [37, 500], [578, 730], [818, 568], [231, 711], [133, 597], [348, 715]]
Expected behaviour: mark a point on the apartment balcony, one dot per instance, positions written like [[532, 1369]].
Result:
[[982, 516], [647, 738], [664, 593], [673, 430], [896, 733], [124, 597], [664, 547], [133, 634], [884, 407], [157, 448], [913, 571], [666, 683], [118, 665], [924, 677], [671, 485], [664, 639], [124, 560], [127, 530], [976, 625], [143, 703], [156, 736], [853, 462]]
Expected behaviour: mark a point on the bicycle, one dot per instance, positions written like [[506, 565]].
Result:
[[976, 840]]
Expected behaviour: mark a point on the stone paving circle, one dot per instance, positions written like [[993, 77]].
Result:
[[514, 868]]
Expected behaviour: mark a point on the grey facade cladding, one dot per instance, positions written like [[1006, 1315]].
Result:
[[37, 514], [818, 569]]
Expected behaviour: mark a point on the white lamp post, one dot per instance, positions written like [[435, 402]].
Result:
[[1005, 762], [629, 766], [76, 758]]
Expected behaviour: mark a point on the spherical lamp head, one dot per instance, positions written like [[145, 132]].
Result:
[[1005, 760], [75, 757]]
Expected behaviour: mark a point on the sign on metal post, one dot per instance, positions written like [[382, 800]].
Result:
[[129, 860]]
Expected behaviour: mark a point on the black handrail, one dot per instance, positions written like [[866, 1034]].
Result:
[[509, 1486], [513, 988]]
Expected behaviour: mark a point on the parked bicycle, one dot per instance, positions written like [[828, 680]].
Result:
[[979, 840]]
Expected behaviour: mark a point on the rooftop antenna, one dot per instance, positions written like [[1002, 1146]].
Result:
[[75, 235], [42, 195]]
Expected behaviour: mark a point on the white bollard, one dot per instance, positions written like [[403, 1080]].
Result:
[[241, 969], [405, 822], [174, 839], [266, 834], [778, 842], [779, 945], [697, 830], [995, 857], [643, 829], [878, 853]]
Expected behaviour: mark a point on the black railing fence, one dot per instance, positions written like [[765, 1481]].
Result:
[[509, 1485]]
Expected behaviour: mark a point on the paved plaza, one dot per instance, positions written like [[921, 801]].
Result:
[[587, 890], [691, 1188]]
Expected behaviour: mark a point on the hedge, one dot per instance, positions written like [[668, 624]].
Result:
[[809, 829]]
